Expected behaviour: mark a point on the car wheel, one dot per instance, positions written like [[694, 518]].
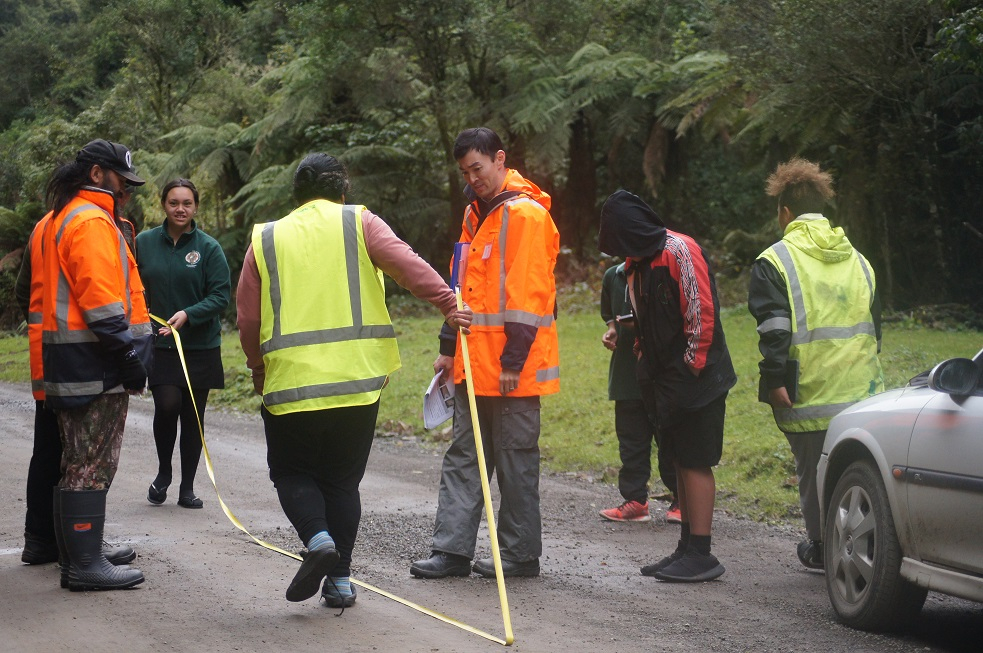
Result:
[[863, 556]]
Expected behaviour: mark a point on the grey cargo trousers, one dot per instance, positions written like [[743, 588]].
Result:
[[510, 438]]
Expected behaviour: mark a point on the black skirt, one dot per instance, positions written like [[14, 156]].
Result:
[[204, 368]]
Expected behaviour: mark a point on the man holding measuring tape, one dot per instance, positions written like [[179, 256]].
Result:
[[508, 282]]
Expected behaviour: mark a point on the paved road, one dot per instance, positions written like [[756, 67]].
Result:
[[210, 589]]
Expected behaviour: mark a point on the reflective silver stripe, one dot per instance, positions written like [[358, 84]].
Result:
[[34, 318], [68, 336], [113, 309], [802, 334], [71, 216], [870, 282], [531, 319], [467, 221], [785, 415], [795, 288], [358, 330], [126, 274], [775, 324], [324, 336], [350, 230], [548, 374], [833, 333], [37, 385], [521, 317], [141, 329], [341, 388], [503, 237], [80, 389]]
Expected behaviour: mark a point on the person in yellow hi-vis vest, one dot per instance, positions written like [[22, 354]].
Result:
[[815, 300], [317, 336]]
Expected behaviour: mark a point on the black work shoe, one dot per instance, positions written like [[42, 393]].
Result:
[[118, 554], [510, 569], [691, 567], [441, 565], [810, 553], [316, 565], [39, 550]]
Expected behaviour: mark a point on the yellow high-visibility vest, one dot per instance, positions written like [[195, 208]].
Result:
[[830, 292], [325, 333]]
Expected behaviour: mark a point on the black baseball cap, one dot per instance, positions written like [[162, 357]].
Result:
[[112, 156]]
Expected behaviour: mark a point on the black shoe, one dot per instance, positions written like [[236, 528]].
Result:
[[118, 555], [810, 553], [190, 502], [39, 550], [157, 495], [441, 565], [316, 565], [691, 567], [333, 600], [651, 570], [510, 569]]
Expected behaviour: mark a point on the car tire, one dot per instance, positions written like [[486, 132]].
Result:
[[863, 556]]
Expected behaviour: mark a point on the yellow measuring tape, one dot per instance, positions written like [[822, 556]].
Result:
[[509, 639]]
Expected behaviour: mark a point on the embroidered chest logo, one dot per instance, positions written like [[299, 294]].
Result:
[[193, 257]]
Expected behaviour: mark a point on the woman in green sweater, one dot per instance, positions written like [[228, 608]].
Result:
[[187, 280]]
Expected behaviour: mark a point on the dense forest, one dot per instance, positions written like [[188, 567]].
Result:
[[689, 103]]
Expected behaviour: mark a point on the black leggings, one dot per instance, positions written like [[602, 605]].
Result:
[[317, 459], [171, 403]]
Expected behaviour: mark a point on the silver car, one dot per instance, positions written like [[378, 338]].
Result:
[[901, 497]]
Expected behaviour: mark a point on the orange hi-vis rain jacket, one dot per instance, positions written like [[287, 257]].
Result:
[[93, 309], [33, 256], [508, 282]]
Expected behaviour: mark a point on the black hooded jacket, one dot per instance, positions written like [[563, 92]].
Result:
[[685, 363]]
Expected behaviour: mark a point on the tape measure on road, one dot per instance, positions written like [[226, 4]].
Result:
[[266, 545]]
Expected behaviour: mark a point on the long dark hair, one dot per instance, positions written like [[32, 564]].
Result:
[[320, 176], [180, 182], [65, 183]]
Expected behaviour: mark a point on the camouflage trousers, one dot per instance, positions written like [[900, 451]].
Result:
[[91, 438]]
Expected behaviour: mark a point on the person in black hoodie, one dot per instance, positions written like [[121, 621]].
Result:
[[684, 370]]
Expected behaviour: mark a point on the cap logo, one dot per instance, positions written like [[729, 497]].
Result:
[[129, 160]]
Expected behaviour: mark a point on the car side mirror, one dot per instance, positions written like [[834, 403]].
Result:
[[956, 376]]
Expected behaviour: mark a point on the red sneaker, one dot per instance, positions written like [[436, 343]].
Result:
[[628, 511], [673, 515]]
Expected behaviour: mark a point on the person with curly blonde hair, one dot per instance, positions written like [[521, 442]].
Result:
[[815, 299]]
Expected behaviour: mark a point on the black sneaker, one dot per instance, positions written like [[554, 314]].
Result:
[[651, 570], [810, 553], [691, 567]]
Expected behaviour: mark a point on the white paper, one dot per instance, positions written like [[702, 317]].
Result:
[[438, 402]]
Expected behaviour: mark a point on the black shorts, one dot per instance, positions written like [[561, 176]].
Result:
[[695, 438]]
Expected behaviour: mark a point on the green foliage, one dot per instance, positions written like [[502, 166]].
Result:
[[688, 103]]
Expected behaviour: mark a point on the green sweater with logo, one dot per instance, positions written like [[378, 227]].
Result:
[[191, 275]]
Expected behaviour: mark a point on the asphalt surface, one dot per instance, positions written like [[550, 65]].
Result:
[[210, 588]]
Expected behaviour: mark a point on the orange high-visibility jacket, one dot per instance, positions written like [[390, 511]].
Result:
[[93, 309], [508, 281], [33, 256]]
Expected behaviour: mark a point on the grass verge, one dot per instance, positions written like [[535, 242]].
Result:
[[756, 477]]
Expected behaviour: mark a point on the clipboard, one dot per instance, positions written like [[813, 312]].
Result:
[[791, 382]]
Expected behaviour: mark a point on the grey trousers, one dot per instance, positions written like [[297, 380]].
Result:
[[807, 447], [510, 439]]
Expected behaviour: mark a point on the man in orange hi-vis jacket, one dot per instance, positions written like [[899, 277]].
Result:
[[95, 347], [508, 282]]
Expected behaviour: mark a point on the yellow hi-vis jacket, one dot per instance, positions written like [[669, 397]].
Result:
[[325, 333], [830, 290]]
